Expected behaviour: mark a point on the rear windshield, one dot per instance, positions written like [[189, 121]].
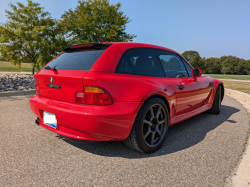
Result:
[[77, 60]]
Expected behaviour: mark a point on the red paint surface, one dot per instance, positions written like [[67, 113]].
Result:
[[129, 92]]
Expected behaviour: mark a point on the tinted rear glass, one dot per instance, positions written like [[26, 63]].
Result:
[[77, 60]]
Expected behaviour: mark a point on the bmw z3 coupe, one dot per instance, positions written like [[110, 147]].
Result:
[[122, 91]]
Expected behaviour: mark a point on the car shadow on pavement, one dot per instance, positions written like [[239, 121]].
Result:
[[180, 136]]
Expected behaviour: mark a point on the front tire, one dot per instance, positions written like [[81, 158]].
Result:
[[217, 102], [150, 127]]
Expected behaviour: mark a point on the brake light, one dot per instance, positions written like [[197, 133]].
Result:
[[37, 90], [85, 45], [92, 95]]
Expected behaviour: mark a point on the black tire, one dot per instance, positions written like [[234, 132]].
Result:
[[150, 127], [217, 102]]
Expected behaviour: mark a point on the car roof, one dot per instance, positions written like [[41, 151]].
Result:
[[108, 44], [108, 61], [136, 44]]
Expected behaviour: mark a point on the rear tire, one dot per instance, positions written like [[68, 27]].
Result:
[[150, 127], [217, 102]]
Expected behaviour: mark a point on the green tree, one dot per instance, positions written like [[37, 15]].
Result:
[[213, 65], [30, 35], [96, 21], [189, 55], [193, 57], [248, 67], [2, 59], [202, 65], [236, 65]]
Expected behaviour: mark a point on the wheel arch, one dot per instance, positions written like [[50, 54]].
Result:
[[222, 91], [156, 95], [162, 98], [218, 83]]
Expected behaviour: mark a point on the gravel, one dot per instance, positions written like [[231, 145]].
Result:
[[16, 82]]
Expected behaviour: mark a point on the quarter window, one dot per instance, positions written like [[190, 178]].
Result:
[[140, 61]]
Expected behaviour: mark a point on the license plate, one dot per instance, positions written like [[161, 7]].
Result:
[[49, 119]]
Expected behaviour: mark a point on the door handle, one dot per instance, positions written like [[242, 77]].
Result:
[[180, 86]]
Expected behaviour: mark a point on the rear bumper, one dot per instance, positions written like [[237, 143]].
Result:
[[85, 122]]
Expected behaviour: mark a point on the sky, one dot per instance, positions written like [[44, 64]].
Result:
[[212, 27]]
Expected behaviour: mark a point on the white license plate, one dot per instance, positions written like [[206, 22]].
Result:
[[49, 119]]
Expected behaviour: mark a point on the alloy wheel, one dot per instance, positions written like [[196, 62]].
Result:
[[154, 125]]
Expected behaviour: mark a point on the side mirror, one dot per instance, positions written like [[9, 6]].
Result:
[[196, 72]]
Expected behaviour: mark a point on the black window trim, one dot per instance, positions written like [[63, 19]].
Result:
[[185, 63]]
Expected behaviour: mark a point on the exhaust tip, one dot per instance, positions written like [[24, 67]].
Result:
[[37, 121]]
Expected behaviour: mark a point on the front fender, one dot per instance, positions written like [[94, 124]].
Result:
[[217, 83]]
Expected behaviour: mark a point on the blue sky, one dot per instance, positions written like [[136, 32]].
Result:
[[212, 27]]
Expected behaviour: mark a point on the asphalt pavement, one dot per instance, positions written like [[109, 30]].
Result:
[[201, 151]]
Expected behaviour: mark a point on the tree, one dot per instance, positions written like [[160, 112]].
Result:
[[189, 55], [236, 65], [96, 21], [30, 35], [193, 57], [225, 70], [2, 59], [248, 67], [213, 65]]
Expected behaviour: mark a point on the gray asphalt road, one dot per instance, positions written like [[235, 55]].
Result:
[[201, 151]]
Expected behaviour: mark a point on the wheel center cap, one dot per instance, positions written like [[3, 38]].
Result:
[[154, 127]]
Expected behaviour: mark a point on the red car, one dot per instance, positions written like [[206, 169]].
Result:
[[121, 91]]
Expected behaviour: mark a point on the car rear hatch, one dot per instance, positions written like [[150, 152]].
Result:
[[62, 77]]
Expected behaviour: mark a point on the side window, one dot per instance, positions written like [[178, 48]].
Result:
[[188, 67], [172, 64], [140, 61]]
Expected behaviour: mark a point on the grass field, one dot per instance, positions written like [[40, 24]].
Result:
[[221, 76], [8, 67], [240, 86]]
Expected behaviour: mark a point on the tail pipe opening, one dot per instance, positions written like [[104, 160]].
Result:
[[37, 121]]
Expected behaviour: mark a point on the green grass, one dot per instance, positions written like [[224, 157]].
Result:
[[8, 67], [227, 76], [240, 86]]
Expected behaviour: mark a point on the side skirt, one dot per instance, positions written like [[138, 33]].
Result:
[[187, 115]]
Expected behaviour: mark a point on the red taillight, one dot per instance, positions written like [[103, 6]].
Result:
[[85, 45], [92, 95], [37, 90]]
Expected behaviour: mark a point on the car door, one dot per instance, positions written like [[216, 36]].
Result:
[[190, 93]]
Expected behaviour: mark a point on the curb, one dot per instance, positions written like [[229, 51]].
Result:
[[241, 97], [18, 93], [236, 80], [241, 173]]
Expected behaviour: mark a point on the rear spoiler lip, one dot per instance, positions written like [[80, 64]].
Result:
[[88, 46]]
